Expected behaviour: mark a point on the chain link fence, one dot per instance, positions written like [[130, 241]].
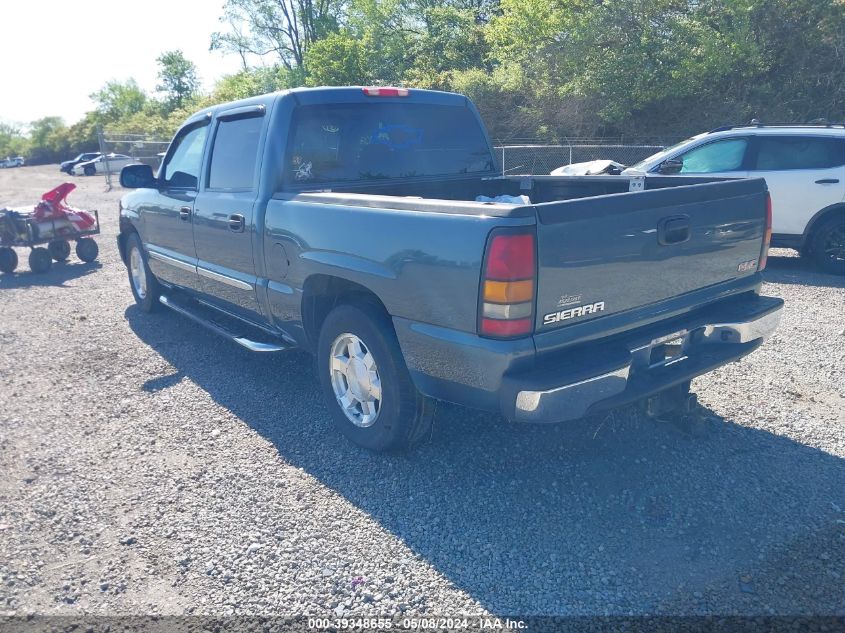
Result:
[[130, 148], [514, 159], [542, 159]]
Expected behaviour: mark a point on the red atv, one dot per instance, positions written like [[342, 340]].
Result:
[[51, 222]]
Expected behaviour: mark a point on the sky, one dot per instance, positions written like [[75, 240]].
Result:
[[56, 52]]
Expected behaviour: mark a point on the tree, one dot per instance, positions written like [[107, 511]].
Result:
[[253, 82], [13, 142], [119, 99], [177, 77], [284, 29]]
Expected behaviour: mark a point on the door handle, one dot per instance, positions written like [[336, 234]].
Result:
[[673, 230], [827, 181], [236, 223], [185, 214]]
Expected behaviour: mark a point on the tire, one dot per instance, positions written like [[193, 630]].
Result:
[[403, 416], [59, 250], [8, 260], [827, 245], [40, 260], [89, 170], [145, 287], [87, 249]]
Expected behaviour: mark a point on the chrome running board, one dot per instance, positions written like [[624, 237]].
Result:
[[251, 345]]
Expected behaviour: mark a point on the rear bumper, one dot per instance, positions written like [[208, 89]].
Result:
[[610, 373]]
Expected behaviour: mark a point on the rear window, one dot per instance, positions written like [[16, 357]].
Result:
[[374, 141], [799, 152]]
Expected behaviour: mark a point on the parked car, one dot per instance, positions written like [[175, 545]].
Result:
[[804, 168], [68, 165], [346, 221], [12, 161], [112, 163]]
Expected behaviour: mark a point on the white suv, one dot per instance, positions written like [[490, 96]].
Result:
[[804, 167]]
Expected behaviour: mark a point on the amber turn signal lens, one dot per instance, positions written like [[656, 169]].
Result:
[[509, 291]]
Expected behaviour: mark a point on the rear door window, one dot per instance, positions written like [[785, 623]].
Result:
[[718, 156], [376, 141], [775, 153], [235, 152]]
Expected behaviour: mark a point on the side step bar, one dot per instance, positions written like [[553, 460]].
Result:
[[251, 345]]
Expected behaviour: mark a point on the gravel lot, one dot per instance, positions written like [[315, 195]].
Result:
[[147, 466]]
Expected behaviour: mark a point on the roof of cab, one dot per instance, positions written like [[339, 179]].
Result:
[[341, 94]]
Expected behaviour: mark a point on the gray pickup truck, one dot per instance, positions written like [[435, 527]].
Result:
[[346, 221]]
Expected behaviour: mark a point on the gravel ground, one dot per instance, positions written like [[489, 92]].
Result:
[[147, 466]]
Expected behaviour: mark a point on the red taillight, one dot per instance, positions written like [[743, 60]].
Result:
[[377, 91], [511, 257], [767, 236], [506, 304]]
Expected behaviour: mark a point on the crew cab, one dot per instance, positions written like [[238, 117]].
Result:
[[804, 169], [371, 226]]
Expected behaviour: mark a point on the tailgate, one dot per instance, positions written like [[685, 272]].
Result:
[[609, 254]]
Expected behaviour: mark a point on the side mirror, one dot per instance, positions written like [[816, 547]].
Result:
[[137, 177], [671, 166]]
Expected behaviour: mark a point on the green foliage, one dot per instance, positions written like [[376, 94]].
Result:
[[178, 78], [253, 82], [13, 142], [280, 29], [48, 139], [119, 99], [544, 69]]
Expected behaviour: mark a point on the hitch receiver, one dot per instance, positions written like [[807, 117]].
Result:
[[677, 399]]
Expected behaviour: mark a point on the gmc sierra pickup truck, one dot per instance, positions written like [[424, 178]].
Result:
[[371, 226]]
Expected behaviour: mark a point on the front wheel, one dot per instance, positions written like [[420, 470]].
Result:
[[144, 285], [365, 382], [828, 246]]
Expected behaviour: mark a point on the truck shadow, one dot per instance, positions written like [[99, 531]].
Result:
[[617, 515], [58, 274], [799, 270]]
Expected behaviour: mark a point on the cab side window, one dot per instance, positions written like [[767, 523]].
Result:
[[726, 155], [182, 169], [796, 152]]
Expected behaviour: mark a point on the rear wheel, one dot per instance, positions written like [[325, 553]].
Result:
[[828, 245], [8, 259], [59, 250], [366, 384], [144, 285], [40, 260], [87, 249]]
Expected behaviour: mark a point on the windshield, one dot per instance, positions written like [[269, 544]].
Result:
[[366, 141], [656, 157]]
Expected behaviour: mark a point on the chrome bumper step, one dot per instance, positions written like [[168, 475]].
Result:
[[195, 313]]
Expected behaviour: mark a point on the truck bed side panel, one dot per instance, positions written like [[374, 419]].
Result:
[[424, 266]]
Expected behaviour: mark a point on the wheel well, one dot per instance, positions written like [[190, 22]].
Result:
[[819, 218], [322, 293], [126, 229]]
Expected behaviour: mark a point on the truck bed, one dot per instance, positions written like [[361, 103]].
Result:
[[599, 244]]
